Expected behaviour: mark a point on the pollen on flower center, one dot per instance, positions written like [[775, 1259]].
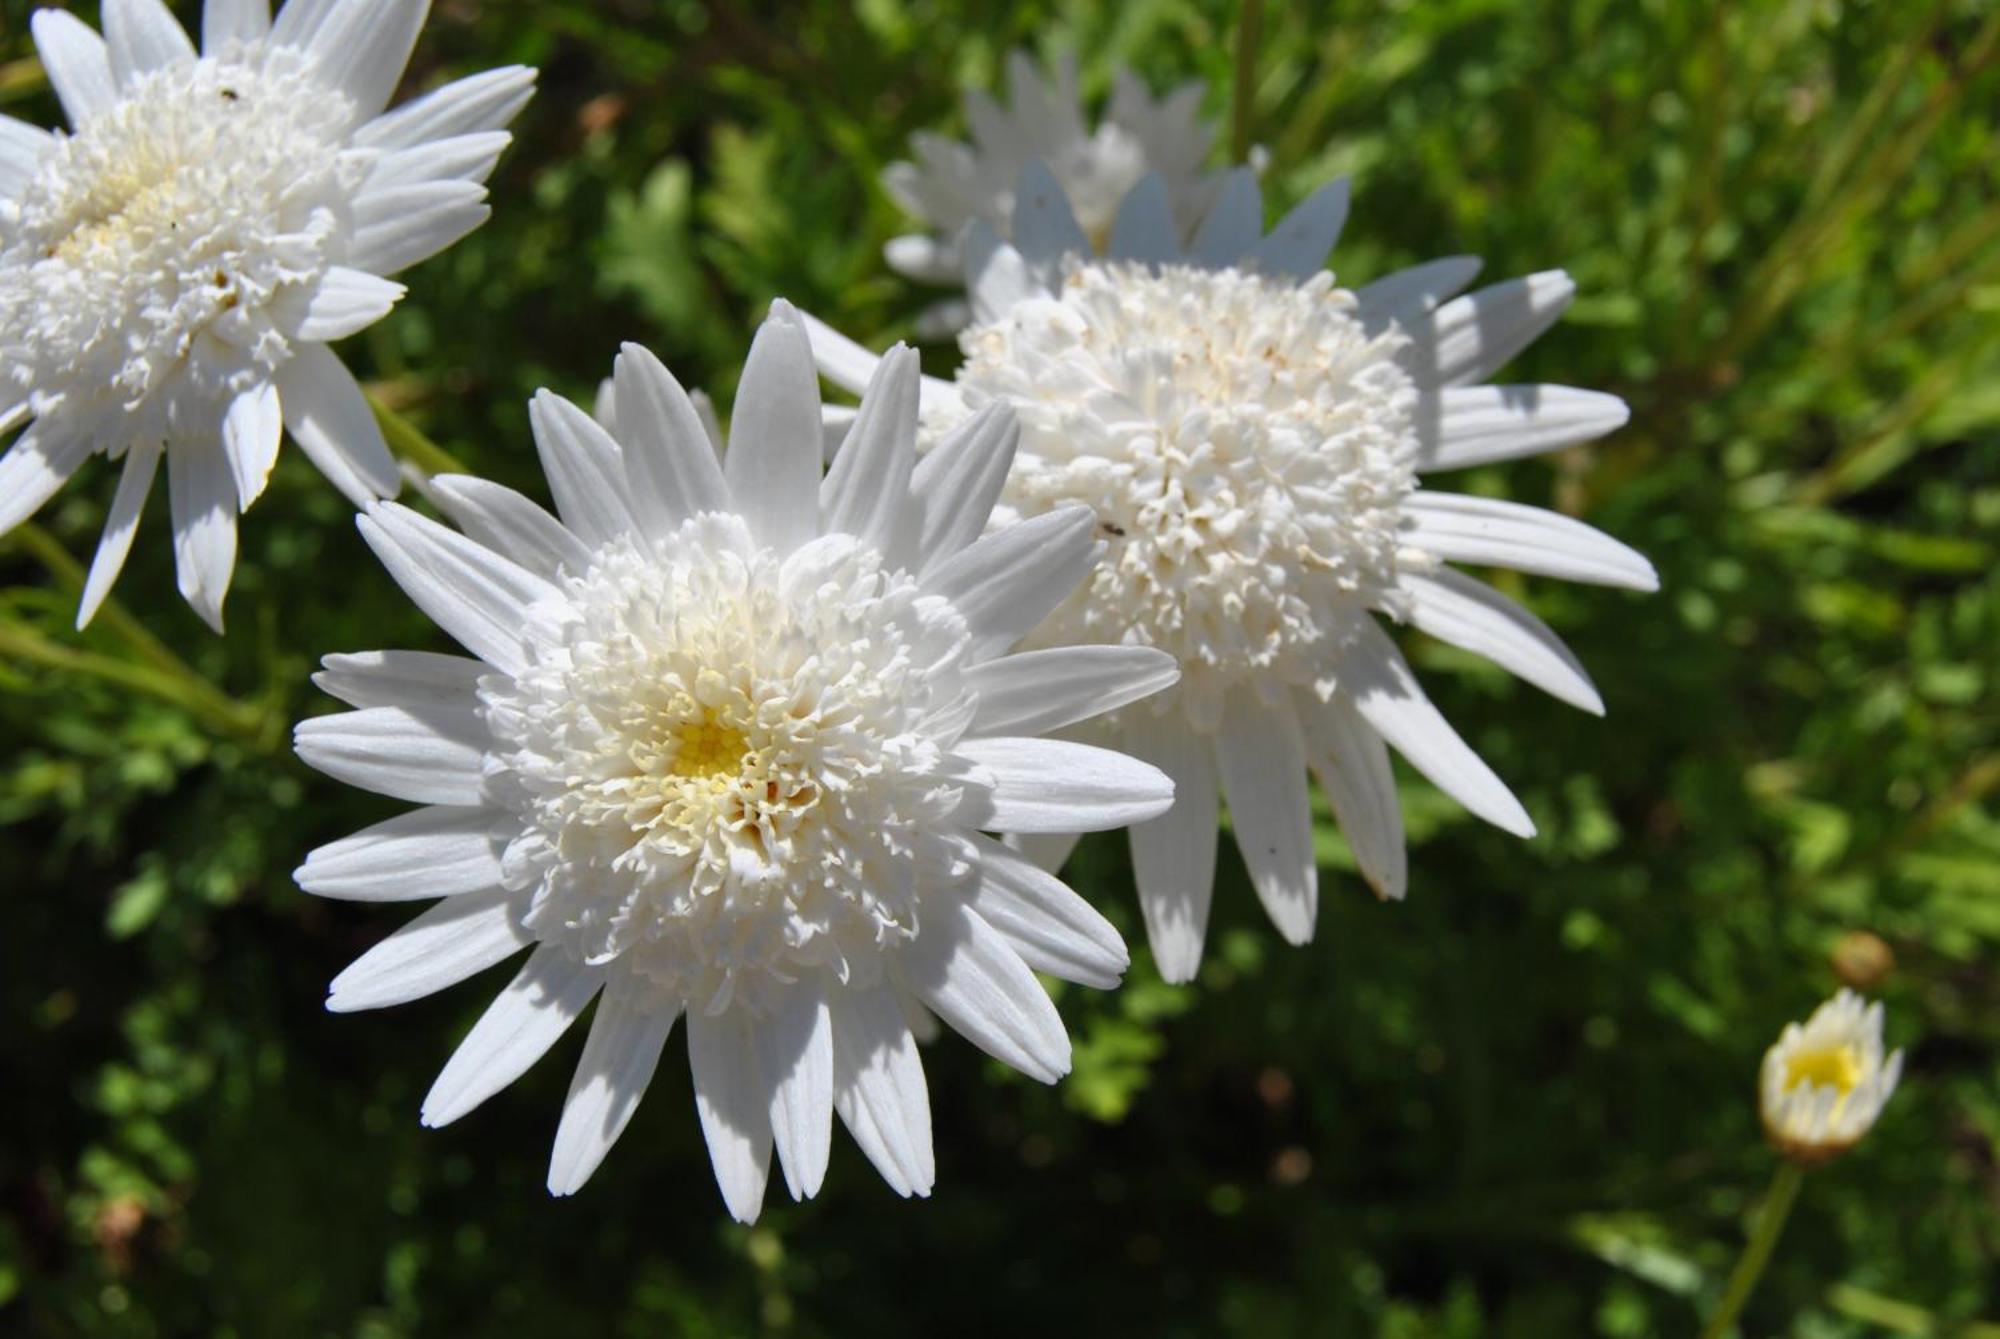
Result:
[[1836, 1067], [707, 749]]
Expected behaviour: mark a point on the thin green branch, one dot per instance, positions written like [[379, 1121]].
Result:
[[1249, 36], [409, 443], [1757, 1251]]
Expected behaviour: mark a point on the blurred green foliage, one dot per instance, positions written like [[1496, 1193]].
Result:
[[1520, 1104]]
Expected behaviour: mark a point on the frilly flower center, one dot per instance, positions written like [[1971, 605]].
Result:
[[707, 750], [1837, 1067]]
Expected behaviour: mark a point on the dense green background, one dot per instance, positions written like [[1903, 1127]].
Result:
[[1520, 1104]]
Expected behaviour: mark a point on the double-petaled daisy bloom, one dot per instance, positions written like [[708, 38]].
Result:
[[1253, 440], [728, 749], [952, 184], [1823, 1084], [172, 269]]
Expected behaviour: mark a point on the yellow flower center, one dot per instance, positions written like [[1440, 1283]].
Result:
[[709, 749], [1838, 1067]]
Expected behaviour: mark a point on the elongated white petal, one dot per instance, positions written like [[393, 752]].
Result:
[[460, 158], [1173, 856], [398, 226], [773, 464], [1053, 929], [967, 972], [879, 1089], [39, 463], [400, 678], [1388, 697], [485, 101], [134, 483], [1406, 295], [1455, 608], [1469, 339], [203, 498], [997, 276], [1263, 765], [550, 992], [795, 1046], [840, 360], [866, 493], [348, 302], [1475, 425], [1035, 692], [915, 256], [438, 851], [957, 482], [1007, 581], [1234, 223], [508, 523], [142, 35], [734, 1102], [252, 428], [21, 149], [1299, 245], [668, 456], [455, 939], [329, 418], [1352, 764], [429, 754], [1058, 785], [77, 63], [299, 21], [1144, 229], [1045, 229], [362, 47], [627, 1035], [1488, 531], [585, 469], [226, 21], [473, 593]]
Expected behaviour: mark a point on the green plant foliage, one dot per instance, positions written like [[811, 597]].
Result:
[[1520, 1104]]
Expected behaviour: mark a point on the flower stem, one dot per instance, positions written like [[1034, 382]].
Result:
[[1249, 35], [1757, 1251], [408, 442]]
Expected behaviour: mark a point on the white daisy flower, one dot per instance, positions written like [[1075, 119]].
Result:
[[952, 184], [1823, 1084], [728, 747], [172, 268], [1252, 439]]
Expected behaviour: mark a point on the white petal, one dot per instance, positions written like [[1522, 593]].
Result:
[[473, 593], [77, 63], [585, 469], [224, 21], [508, 523], [142, 35], [431, 754], [1007, 581], [39, 463], [1488, 531], [398, 226], [529, 1016], [329, 418], [299, 20], [1048, 851], [1352, 764], [21, 148], [252, 428], [773, 464], [455, 939], [957, 482], [1454, 608], [1406, 295], [1301, 242], [962, 968], [399, 678], [1173, 856], [484, 101], [1234, 224], [840, 360], [203, 498], [915, 256], [997, 277], [1389, 699], [460, 158], [1053, 929], [346, 303], [619, 1058], [1476, 425], [867, 491], [734, 1102], [1045, 228], [1470, 338], [362, 47], [134, 483], [668, 456], [795, 1048], [439, 851], [1035, 692], [879, 1090], [1263, 766], [1144, 229], [1058, 785]]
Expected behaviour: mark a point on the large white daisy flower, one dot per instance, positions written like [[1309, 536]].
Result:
[[952, 184], [1823, 1084], [172, 268], [728, 749], [1251, 438]]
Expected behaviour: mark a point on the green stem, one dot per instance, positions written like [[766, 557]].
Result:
[[1757, 1251], [408, 442], [1249, 35]]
